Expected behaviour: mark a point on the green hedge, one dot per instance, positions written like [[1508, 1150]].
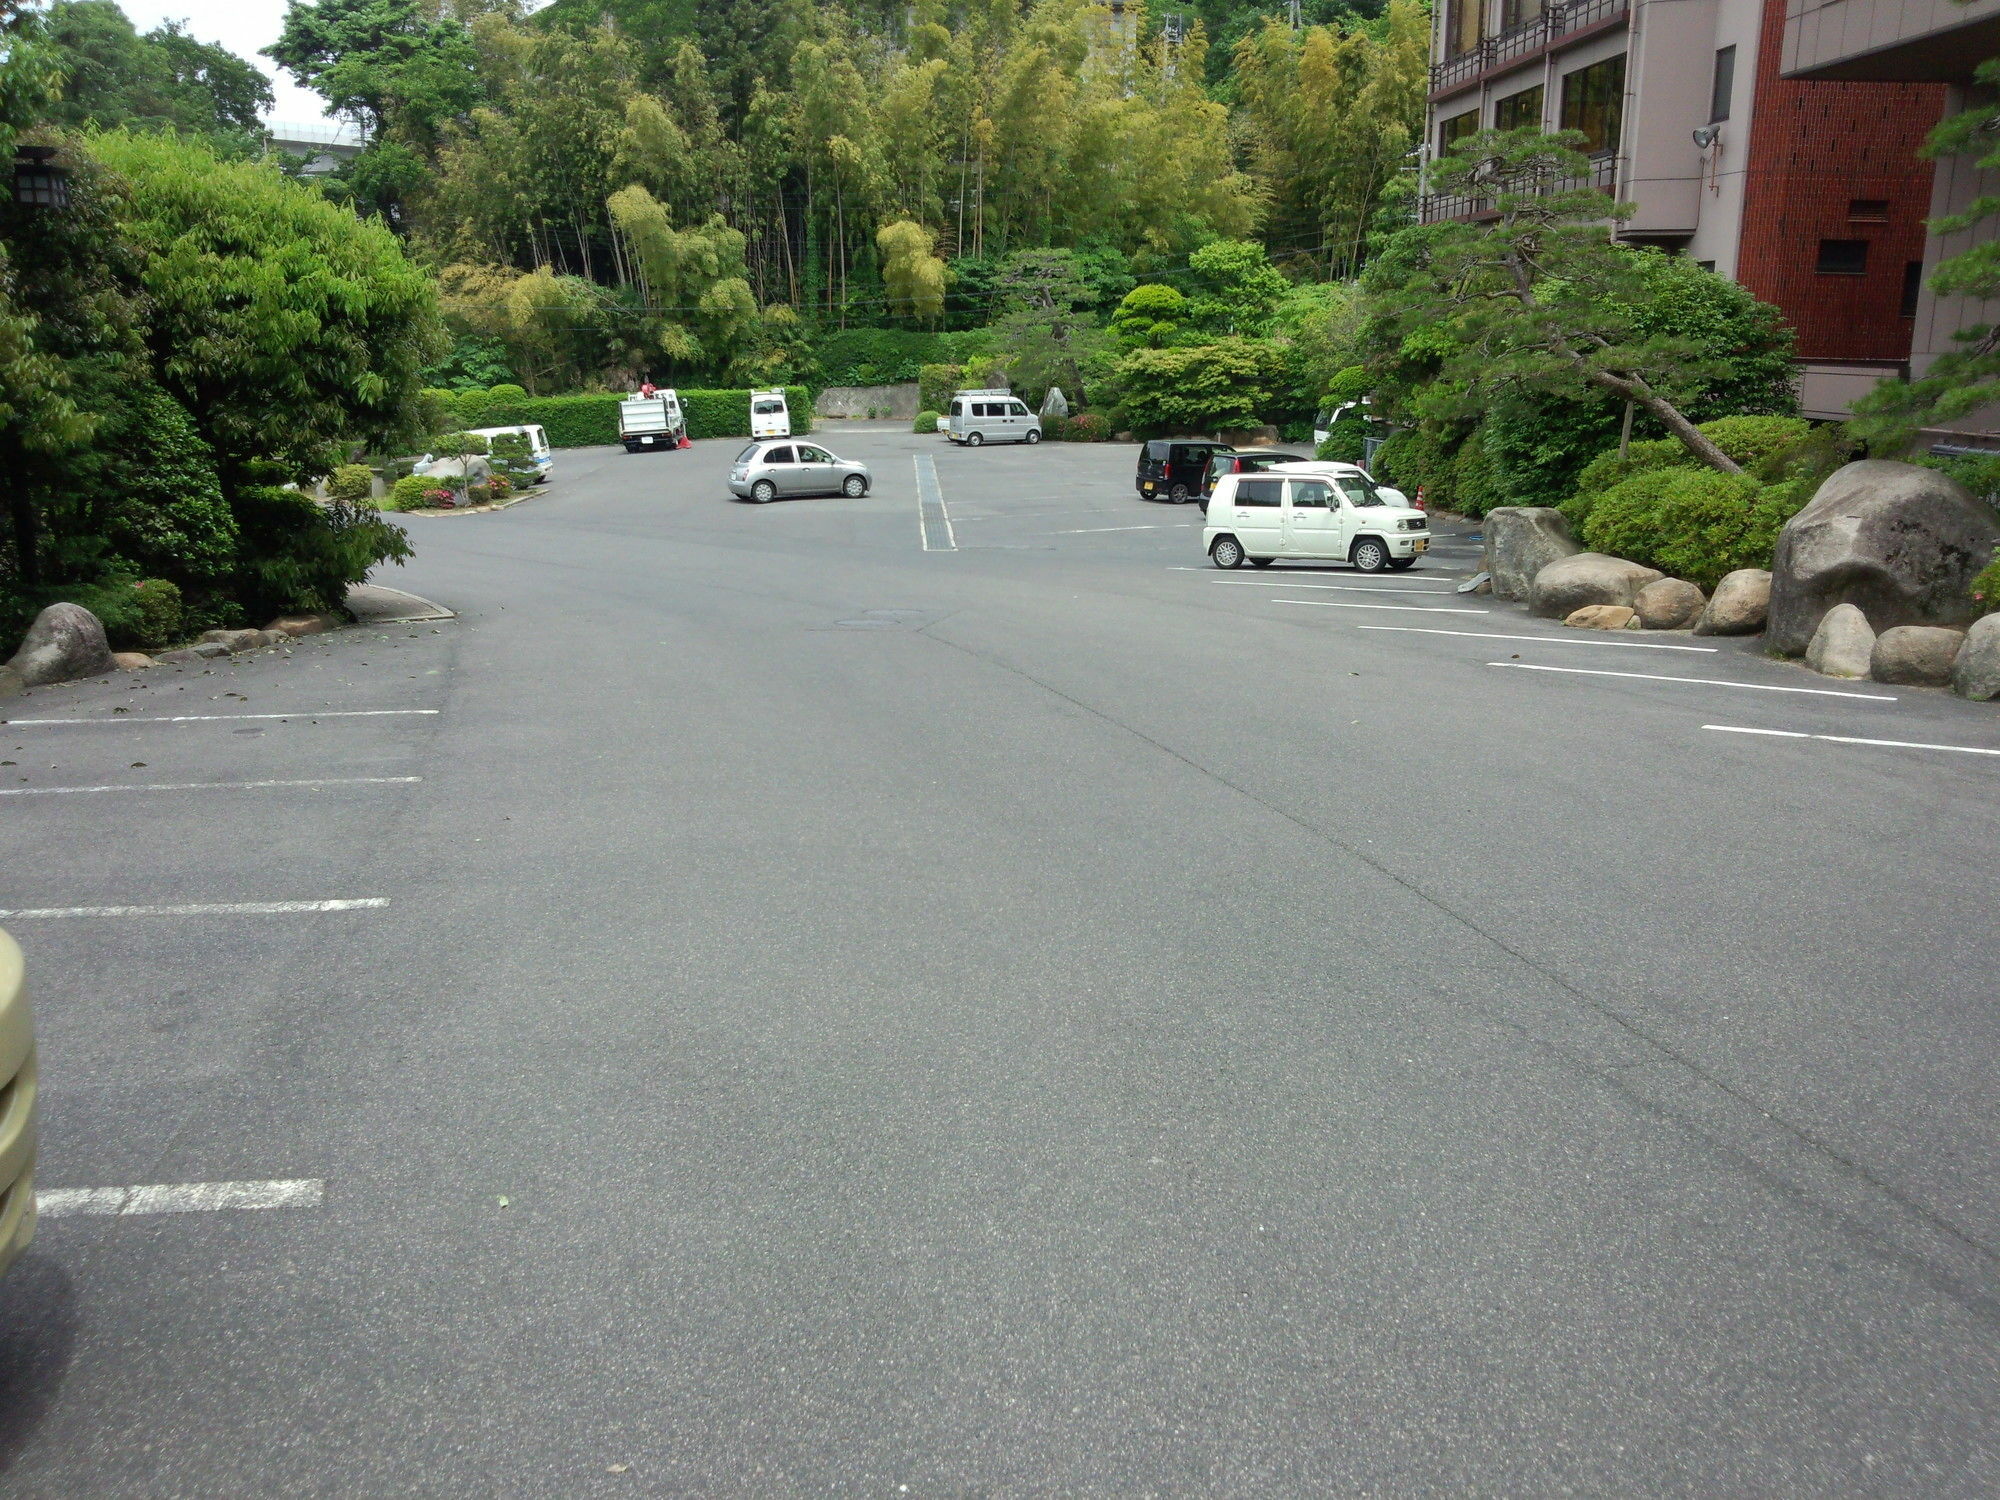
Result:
[[590, 420], [890, 356], [1697, 524]]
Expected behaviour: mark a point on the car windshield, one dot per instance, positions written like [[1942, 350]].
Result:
[[1360, 491]]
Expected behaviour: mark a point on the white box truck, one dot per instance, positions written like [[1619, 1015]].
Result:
[[769, 416], [653, 421]]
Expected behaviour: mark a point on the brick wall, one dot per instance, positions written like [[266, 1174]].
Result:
[[1815, 148]]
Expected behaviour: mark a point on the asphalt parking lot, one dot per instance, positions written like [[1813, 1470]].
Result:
[[946, 993]]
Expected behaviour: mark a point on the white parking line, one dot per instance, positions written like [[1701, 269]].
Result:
[[219, 909], [180, 1198], [1553, 640], [933, 520], [340, 713], [1422, 609], [1089, 530], [1297, 580], [1849, 739], [1344, 588], [1761, 687], [205, 786]]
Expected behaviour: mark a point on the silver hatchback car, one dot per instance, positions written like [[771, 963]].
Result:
[[769, 468]]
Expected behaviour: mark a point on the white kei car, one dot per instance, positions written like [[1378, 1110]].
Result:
[[1324, 511]]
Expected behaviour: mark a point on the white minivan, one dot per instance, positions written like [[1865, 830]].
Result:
[[539, 451], [1312, 510], [997, 416], [769, 416]]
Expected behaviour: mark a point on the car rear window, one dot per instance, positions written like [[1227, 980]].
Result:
[[1259, 491], [747, 454]]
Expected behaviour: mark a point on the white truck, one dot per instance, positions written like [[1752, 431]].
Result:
[[769, 416], [653, 421]]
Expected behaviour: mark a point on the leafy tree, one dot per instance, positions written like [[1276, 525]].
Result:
[[1541, 302], [912, 275], [285, 326], [1046, 335], [1236, 289], [1150, 316], [1225, 384], [392, 65], [164, 79]]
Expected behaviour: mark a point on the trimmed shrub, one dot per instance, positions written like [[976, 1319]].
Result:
[[1475, 478], [351, 482], [478, 494], [935, 383], [1696, 524], [439, 410], [407, 493], [458, 444], [927, 421], [1986, 587], [591, 419], [1087, 427], [500, 485], [158, 617]]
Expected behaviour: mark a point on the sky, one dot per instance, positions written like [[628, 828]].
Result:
[[243, 26]]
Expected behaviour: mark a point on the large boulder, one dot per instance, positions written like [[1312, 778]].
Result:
[[1899, 542], [1917, 655], [1670, 604], [1521, 540], [1567, 584], [66, 641], [1976, 673], [1739, 604], [1844, 645]]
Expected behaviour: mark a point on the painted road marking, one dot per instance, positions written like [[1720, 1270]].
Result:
[[1557, 640], [222, 909], [339, 713], [1422, 609], [205, 786], [1297, 580], [180, 1198], [1090, 530], [1760, 687], [1343, 588], [1849, 739], [933, 520]]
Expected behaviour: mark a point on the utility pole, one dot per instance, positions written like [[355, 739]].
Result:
[[1293, 7]]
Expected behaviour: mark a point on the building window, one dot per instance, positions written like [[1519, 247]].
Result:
[[1456, 129], [1868, 210], [1519, 111], [1843, 258], [1461, 26], [1913, 285], [1724, 86], [1518, 13], [1594, 103]]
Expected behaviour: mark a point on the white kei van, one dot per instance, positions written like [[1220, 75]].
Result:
[[1308, 510], [538, 446], [769, 416], [997, 416]]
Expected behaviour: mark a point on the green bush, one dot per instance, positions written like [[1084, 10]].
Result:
[[889, 356], [591, 419], [1755, 442], [1697, 524], [478, 494], [351, 482], [927, 421], [1475, 478], [159, 616], [438, 410], [1424, 458], [407, 493], [1346, 442], [298, 554], [1087, 427], [1986, 587], [458, 444], [1770, 447], [935, 384]]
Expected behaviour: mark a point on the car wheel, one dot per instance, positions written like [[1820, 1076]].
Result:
[[854, 487], [973, 440], [1033, 436], [1261, 562], [1403, 564], [763, 492], [1371, 555], [1178, 493], [1226, 553]]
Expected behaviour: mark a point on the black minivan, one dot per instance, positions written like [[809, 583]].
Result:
[[1176, 468]]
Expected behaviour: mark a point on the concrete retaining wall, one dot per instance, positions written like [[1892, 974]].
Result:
[[898, 401]]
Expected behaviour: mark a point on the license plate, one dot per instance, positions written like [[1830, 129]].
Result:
[[645, 440], [1423, 544], [1147, 485]]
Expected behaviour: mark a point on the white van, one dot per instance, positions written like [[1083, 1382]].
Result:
[[996, 416], [1331, 512], [769, 416], [538, 446]]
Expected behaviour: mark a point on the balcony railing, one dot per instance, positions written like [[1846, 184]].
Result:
[[1603, 175], [1552, 25]]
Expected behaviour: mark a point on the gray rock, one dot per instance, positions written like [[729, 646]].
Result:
[[1670, 604], [1918, 655], [1899, 542], [10, 683], [1567, 584], [1976, 673], [186, 656], [65, 642], [1521, 540], [472, 469], [1055, 403], [1844, 645], [1739, 606], [232, 640]]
